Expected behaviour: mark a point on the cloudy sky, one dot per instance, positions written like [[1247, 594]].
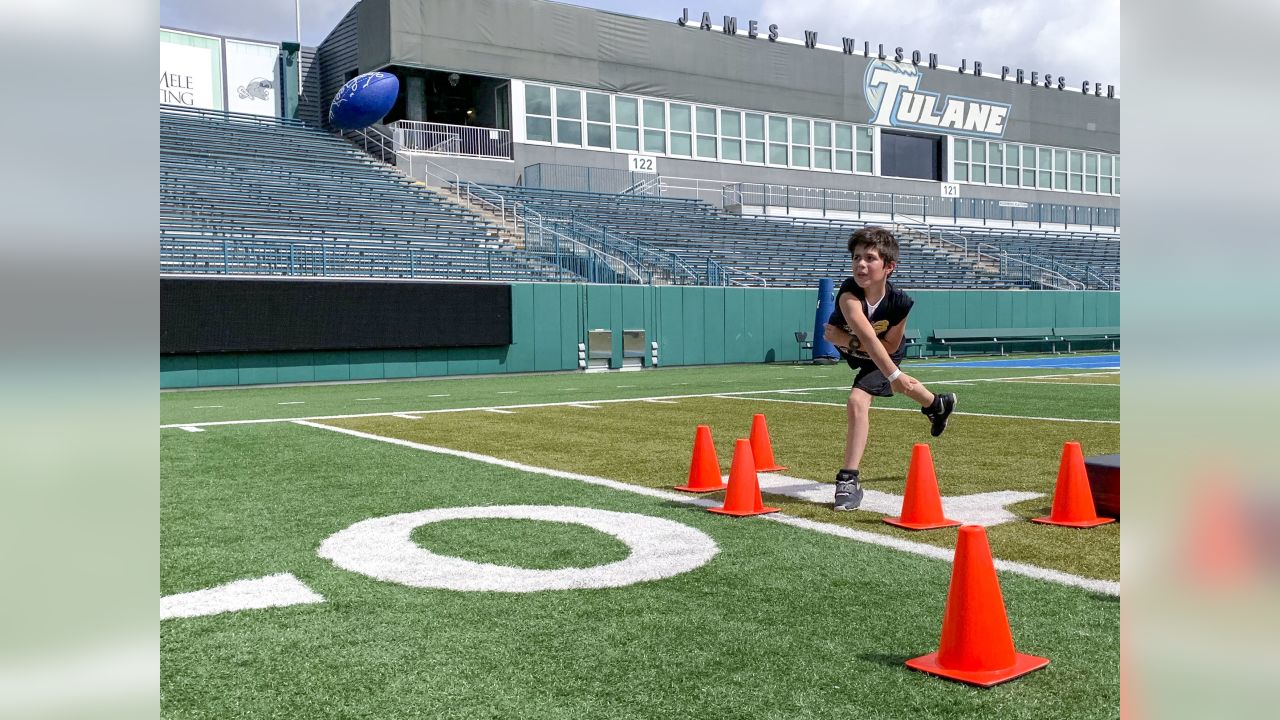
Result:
[[1076, 38]]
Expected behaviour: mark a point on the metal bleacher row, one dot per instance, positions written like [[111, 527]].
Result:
[[249, 195], [242, 194], [1091, 258], [762, 249]]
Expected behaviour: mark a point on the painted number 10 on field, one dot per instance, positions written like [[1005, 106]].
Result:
[[643, 164]]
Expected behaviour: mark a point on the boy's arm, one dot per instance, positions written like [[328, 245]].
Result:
[[893, 339], [861, 326]]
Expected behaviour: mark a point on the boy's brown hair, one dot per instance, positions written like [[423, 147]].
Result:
[[878, 239]]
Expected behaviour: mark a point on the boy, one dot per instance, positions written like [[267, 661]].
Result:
[[866, 326]]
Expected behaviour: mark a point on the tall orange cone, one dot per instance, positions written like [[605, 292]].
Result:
[[743, 497], [1073, 500], [704, 467], [761, 448], [922, 504], [977, 645]]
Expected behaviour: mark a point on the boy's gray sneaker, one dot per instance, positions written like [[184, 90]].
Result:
[[942, 407], [848, 491]]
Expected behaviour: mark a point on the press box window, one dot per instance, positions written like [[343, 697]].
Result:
[[681, 129], [705, 124], [568, 117], [599, 121], [537, 111], [628, 115], [655, 126]]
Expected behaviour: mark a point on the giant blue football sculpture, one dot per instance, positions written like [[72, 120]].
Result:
[[364, 100]]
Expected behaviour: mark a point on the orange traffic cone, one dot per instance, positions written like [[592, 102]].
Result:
[[704, 467], [1073, 500], [743, 497], [977, 645], [921, 505], [761, 448]]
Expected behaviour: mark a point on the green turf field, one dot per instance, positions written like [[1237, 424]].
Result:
[[786, 620]]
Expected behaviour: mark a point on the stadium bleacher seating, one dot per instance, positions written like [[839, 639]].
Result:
[[1092, 258], [251, 195], [242, 194], [756, 249]]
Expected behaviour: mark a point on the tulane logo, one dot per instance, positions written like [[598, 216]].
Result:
[[893, 93]]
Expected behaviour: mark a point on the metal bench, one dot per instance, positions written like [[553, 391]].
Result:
[[1001, 337], [1109, 334]]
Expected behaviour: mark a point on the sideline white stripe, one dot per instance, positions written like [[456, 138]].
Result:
[[1054, 576], [498, 411], [258, 421], [1060, 384], [893, 409], [405, 416], [191, 428]]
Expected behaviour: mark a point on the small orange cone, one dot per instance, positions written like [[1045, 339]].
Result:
[[922, 504], [976, 645], [743, 497], [704, 467], [1073, 500], [761, 448]]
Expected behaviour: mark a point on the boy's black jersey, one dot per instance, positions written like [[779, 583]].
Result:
[[892, 310]]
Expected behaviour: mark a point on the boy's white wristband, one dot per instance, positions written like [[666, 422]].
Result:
[[895, 375]]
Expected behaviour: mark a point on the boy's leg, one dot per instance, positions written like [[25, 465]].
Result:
[[935, 407], [848, 491], [859, 411]]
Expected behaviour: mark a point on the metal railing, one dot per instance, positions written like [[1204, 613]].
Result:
[[583, 257], [678, 271], [1014, 268], [255, 256], [859, 202], [412, 136]]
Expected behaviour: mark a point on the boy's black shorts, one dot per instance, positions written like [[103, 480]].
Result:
[[869, 377]]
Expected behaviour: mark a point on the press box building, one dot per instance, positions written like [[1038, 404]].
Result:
[[498, 86]]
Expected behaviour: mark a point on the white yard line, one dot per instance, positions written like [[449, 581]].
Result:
[[191, 428], [1069, 384], [1054, 576], [259, 421], [295, 402], [499, 411], [893, 409], [405, 416]]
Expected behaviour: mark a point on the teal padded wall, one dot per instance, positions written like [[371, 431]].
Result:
[[692, 325]]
